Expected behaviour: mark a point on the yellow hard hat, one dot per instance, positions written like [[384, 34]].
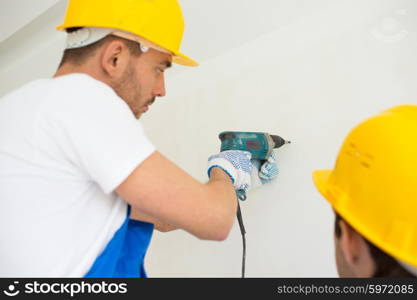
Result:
[[158, 21], [373, 185]]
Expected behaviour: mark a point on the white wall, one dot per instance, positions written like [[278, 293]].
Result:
[[306, 70]]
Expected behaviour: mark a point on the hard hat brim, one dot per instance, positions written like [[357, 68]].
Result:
[[321, 179], [184, 60]]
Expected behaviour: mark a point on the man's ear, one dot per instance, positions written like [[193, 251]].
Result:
[[114, 59], [356, 251], [350, 243]]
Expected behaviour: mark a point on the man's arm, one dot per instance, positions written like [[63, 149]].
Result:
[[159, 225], [161, 190]]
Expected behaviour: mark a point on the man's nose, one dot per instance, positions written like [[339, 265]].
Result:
[[160, 87]]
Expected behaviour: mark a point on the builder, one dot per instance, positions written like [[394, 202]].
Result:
[[75, 162]]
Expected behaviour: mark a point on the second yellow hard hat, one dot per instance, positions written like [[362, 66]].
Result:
[[373, 185]]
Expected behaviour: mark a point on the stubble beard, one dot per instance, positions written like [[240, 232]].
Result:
[[128, 88]]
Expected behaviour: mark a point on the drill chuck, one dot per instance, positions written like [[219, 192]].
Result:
[[278, 141]]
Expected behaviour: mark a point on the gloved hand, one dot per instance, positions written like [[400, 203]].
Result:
[[237, 164], [262, 174]]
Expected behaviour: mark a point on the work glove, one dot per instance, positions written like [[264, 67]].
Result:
[[236, 164], [265, 173]]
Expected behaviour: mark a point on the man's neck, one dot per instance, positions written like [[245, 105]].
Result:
[[69, 69]]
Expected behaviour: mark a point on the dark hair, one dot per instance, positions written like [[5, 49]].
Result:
[[385, 265], [78, 56]]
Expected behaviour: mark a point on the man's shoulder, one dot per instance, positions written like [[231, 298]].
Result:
[[58, 89], [82, 91], [81, 83]]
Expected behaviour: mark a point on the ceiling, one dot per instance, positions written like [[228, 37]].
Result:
[[18, 13]]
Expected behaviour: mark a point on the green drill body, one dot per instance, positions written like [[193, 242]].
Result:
[[259, 144]]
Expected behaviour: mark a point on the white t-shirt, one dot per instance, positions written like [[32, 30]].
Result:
[[65, 145]]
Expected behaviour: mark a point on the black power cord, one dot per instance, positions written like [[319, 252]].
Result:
[[242, 196]]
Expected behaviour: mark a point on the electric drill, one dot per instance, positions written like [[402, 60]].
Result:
[[259, 144]]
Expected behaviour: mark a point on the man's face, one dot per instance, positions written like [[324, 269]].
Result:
[[143, 80]]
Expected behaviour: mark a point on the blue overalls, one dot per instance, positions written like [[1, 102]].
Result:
[[124, 255]]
